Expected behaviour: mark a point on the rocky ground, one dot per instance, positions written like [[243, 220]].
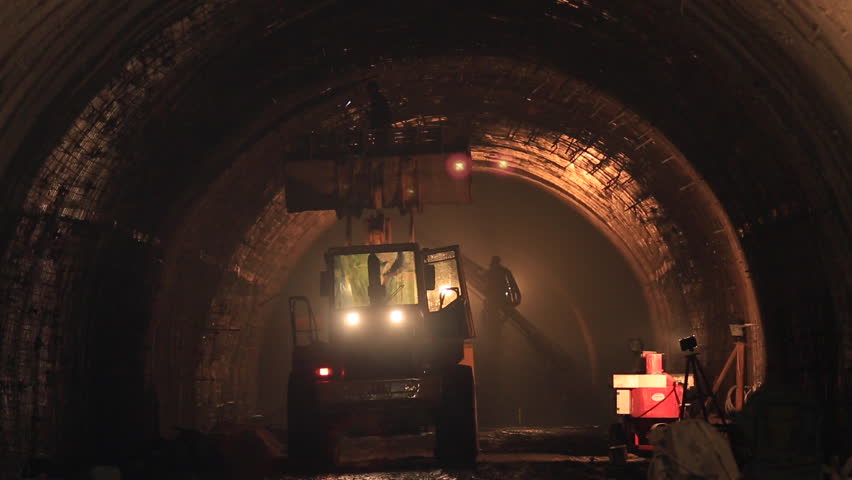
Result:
[[509, 453]]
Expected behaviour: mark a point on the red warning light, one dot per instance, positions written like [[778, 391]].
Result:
[[324, 372], [458, 165]]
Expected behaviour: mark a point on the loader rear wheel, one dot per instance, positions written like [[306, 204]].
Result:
[[312, 450], [456, 432], [312, 440]]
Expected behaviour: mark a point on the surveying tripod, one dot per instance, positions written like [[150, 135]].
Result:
[[693, 366]]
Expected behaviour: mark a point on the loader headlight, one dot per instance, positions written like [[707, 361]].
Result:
[[353, 318], [396, 316]]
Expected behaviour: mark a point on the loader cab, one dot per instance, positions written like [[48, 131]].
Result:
[[395, 291]]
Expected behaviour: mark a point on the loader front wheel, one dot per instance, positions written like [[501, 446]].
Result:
[[456, 429], [312, 440]]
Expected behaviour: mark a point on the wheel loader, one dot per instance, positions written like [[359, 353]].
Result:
[[393, 357]]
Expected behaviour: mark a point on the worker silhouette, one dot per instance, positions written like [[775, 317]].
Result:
[[379, 117], [501, 295], [501, 288]]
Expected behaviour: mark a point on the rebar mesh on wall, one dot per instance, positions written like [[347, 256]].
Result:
[[61, 216]]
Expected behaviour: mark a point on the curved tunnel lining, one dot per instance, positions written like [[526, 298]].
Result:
[[733, 237]]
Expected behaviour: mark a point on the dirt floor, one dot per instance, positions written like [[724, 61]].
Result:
[[510, 453]]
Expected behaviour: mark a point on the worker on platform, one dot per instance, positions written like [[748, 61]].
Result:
[[379, 116], [501, 288]]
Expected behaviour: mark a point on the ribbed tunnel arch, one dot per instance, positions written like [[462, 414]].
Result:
[[145, 234]]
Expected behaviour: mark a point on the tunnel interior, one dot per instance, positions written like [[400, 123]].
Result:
[[145, 226]]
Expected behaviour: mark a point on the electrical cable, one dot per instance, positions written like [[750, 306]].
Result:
[[729, 403], [674, 387]]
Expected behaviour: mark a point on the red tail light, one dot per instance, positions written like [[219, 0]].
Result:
[[323, 372]]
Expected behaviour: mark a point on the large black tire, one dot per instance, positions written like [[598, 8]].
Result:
[[312, 440], [456, 442]]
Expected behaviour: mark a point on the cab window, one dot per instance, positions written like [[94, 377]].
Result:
[[398, 277]]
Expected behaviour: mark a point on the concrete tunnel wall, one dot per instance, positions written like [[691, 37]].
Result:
[[144, 231]]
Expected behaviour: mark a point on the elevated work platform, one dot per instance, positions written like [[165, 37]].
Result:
[[405, 167]]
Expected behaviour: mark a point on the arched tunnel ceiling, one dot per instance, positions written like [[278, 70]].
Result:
[[164, 124]]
